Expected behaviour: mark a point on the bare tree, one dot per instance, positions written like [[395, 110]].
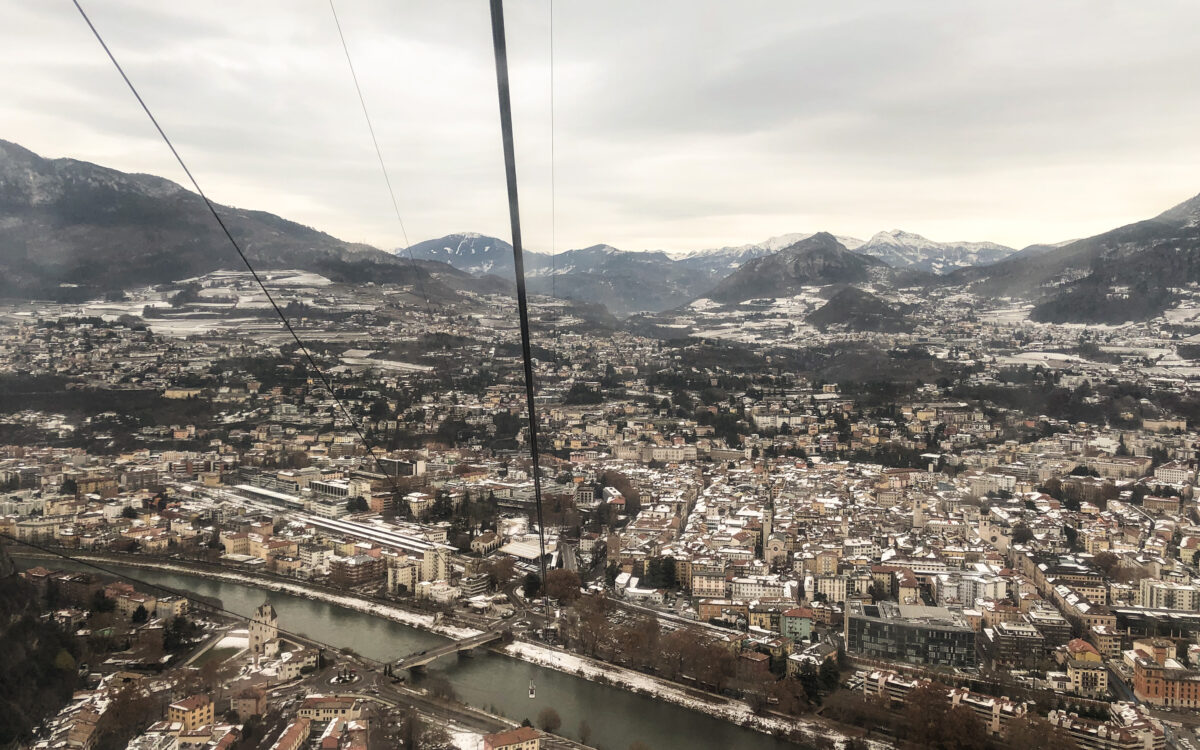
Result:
[[549, 720], [562, 585]]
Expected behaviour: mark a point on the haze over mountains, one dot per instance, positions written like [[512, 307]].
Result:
[[75, 230]]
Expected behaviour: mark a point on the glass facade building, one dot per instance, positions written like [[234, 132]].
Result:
[[914, 634]]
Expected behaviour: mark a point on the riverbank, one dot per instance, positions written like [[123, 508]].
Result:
[[719, 707], [419, 620]]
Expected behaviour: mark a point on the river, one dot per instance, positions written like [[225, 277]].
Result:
[[490, 681]]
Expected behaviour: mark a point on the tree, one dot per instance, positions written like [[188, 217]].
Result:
[[1022, 534], [442, 508], [562, 585], [924, 709], [637, 640], [499, 571], [791, 697], [64, 661], [810, 679], [962, 729], [829, 675], [101, 603], [1107, 563], [532, 584], [68, 487], [671, 650], [129, 712], [710, 662], [611, 572], [140, 614], [129, 512], [589, 626], [357, 505], [549, 720]]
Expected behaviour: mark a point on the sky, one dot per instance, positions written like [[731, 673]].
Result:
[[677, 124]]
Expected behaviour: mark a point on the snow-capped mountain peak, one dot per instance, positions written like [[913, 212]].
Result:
[[902, 249]]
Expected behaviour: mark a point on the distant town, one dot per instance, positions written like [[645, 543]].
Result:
[[760, 521]]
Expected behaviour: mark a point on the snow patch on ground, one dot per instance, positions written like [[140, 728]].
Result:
[[239, 639], [722, 708], [464, 740]]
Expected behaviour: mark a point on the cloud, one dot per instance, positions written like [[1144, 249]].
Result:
[[677, 124]]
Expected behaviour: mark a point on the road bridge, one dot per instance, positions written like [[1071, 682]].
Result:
[[422, 658]]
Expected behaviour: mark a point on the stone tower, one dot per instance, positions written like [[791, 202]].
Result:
[[264, 628]]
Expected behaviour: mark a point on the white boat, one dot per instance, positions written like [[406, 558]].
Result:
[[532, 690]]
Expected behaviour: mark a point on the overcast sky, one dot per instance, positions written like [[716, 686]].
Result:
[[678, 125]]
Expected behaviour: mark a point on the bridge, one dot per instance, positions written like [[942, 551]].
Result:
[[420, 659]]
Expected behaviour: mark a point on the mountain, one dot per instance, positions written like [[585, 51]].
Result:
[[858, 310], [1038, 249], [721, 261], [624, 282], [815, 261], [905, 250], [476, 254], [1121, 275], [74, 230]]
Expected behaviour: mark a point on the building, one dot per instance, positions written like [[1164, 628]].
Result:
[[1130, 728], [762, 587], [797, 623], [1052, 625], [250, 702], [1107, 640], [1013, 644], [264, 632], [521, 738], [475, 585], [1088, 678], [1174, 472], [294, 737], [486, 543], [910, 633], [357, 570], [192, 712], [994, 712], [1155, 594], [330, 707], [1166, 683], [1168, 505]]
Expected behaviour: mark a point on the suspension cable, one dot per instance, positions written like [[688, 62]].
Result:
[[379, 153], [514, 214], [312, 362]]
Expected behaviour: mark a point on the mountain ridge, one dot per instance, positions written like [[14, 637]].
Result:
[[72, 230], [816, 261]]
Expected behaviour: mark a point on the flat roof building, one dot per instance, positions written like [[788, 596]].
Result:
[[912, 633]]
